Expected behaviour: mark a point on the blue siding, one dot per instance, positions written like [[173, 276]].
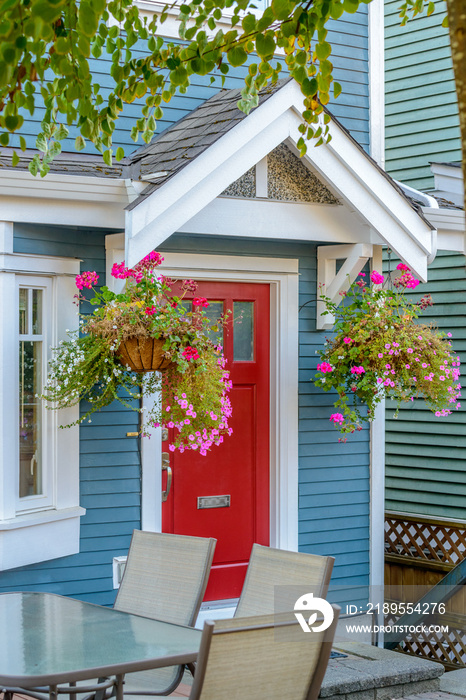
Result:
[[333, 477], [109, 461], [349, 39]]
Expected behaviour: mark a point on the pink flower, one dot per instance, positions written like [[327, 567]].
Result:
[[190, 353], [337, 418], [87, 279], [362, 274], [325, 367], [410, 350], [347, 340], [150, 310], [357, 370], [377, 278], [403, 267], [200, 301], [380, 354]]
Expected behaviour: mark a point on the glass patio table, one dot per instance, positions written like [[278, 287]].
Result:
[[48, 640]]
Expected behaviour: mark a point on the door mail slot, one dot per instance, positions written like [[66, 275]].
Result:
[[213, 502]]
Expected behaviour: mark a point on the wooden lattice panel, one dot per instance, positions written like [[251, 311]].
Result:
[[447, 648], [427, 539]]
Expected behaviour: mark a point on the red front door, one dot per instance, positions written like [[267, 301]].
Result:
[[238, 470]]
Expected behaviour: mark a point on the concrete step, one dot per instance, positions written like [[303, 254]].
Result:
[[454, 682], [434, 695]]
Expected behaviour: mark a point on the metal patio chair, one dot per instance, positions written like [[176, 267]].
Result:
[[165, 578], [269, 568], [261, 657]]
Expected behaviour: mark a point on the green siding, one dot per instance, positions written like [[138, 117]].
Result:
[[421, 114], [425, 455]]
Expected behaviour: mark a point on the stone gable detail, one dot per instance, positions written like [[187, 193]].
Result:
[[289, 180]]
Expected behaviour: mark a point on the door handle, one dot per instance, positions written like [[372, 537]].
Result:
[[166, 468]]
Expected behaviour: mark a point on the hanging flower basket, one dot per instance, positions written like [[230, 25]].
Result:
[[144, 342], [143, 354], [378, 350]]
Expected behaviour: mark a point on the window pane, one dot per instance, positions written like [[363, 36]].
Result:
[[213, 312], [37, 311], [30, 419], [23, 311], [243, 331]]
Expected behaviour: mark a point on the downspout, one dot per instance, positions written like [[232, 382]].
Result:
[[427, 201]]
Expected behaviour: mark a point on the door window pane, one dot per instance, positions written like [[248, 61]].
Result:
[[213, 312], [30, 418], [243, 331]]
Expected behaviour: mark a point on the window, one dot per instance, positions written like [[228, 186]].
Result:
[[34, 314], [39, 463]]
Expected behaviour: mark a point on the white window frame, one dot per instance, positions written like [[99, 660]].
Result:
[[50, 531], [45, 499]]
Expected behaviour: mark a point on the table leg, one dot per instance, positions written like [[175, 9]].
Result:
[[119, 686], [53, 692]]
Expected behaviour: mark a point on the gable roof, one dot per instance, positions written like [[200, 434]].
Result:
[[181, 143], [197, 158]]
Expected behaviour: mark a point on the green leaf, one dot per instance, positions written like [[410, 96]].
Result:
[[79, 143], [237, 56], [281, 8], [248, 23], [351, 6], [265, 45], [336, 89], [34, 165], [22, 143], [179, 76], [41, 143], [119, 153], [107, 156], [14, 159], [309, 87], [323, 50]]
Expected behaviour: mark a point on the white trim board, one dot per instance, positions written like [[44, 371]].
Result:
[[341, 164], [376, 82], [282, 276], [451, 228]]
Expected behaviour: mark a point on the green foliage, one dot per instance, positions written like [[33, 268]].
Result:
[[46, 47], [379, 350]]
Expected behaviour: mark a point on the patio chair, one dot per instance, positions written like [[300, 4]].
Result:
[[261, 657], [270, 567], [165, 578]]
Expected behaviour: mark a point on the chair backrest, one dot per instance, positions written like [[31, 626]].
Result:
[[269, 568], [166, 576], [261, 657]]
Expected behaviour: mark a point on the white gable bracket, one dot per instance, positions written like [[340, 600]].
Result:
[[331, 283]]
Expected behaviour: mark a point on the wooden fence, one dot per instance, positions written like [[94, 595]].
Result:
[[419, 552]]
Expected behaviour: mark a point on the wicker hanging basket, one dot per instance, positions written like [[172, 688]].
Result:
[[143, 354]]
